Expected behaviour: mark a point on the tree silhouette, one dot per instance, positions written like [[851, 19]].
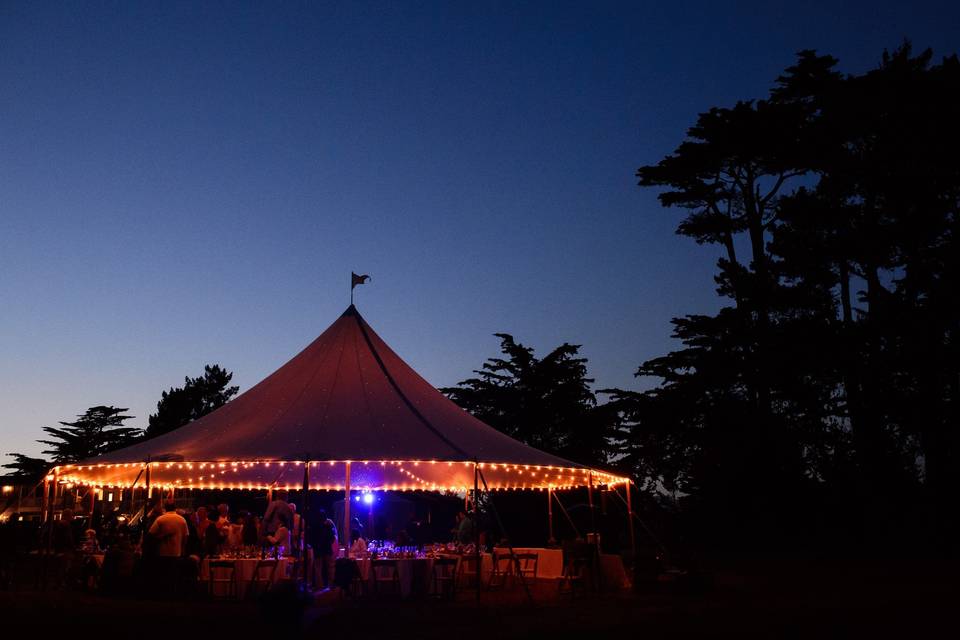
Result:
[[99, 430], [544, 402], [830, 378], [196, 398], [27, 469]]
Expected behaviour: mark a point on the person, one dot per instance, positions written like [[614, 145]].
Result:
[[279, 538], [223, 522], [149, 543], [170, 531], [63, 540], [464, 528], [323, 538], [251, 531], [296, 533], [211, 537], [278, 513]]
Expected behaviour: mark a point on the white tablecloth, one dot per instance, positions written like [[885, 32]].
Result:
[[416, 575], [244, 568]]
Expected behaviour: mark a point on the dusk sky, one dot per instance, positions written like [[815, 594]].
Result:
[[183, 184]]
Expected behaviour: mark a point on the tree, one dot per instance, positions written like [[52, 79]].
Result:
[[26, 468], [546, 403], [831, 376], [97, 431], [196, 398]]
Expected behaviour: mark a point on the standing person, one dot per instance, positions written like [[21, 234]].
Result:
[[223, 522], [171, 534], [170, 531], [278, 513], [323, 538], [296, 533]]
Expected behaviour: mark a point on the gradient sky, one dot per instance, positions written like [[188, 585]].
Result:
[[183, 184]]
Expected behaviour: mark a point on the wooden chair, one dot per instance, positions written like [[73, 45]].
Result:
[[576, 568], [526, 565], [264, 575], [467, 571], [222, 572], [385, 576], [445, 578], [503, 569]]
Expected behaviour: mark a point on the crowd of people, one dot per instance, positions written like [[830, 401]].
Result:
[[165, 548]]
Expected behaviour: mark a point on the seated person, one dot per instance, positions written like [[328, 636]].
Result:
[[359, 546], [279, 538]]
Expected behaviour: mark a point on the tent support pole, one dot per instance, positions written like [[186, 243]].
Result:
[[476, 525], [302, 533], [551, 539], [503, 530], [593, 516], [44, 517], [346, 509], [633, 540]]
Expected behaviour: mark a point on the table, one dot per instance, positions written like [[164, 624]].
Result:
[[612, 571], [416, 575], [243, 573], [549, 561]]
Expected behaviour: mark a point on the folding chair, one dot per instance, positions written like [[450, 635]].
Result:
[[445, 578], [503, 569], [574, 576], [526, 565], [222, 572], [467, 571], [264, 575], [385, 575]]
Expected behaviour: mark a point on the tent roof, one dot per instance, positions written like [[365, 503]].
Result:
[[346, 396]]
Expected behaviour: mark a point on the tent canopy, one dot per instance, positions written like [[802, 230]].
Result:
[[346, 400]]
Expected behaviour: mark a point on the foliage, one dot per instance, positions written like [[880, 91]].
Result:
[[97, 431], [195, 399], [544, 402], [830, 376], [27, 469]]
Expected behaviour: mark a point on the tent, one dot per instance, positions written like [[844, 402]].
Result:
[[347, 401], [345, 413]]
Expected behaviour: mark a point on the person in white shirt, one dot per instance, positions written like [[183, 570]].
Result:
[[170, 532]]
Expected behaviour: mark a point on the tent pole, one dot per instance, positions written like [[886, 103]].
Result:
[[633, 541], [44, 518], [302, 533], [551, 539], [346, 509], [476, 524], [593, 516]]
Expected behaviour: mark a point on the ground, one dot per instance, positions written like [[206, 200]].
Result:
[[856, 600]]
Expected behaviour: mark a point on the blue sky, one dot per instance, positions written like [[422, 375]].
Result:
[[189, 183]]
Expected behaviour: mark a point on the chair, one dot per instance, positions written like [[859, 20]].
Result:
[[385, 575], [503, 569], [526, 565], [467, 571], [222, 572], [264, 575], [576, 566], [445, 578]]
